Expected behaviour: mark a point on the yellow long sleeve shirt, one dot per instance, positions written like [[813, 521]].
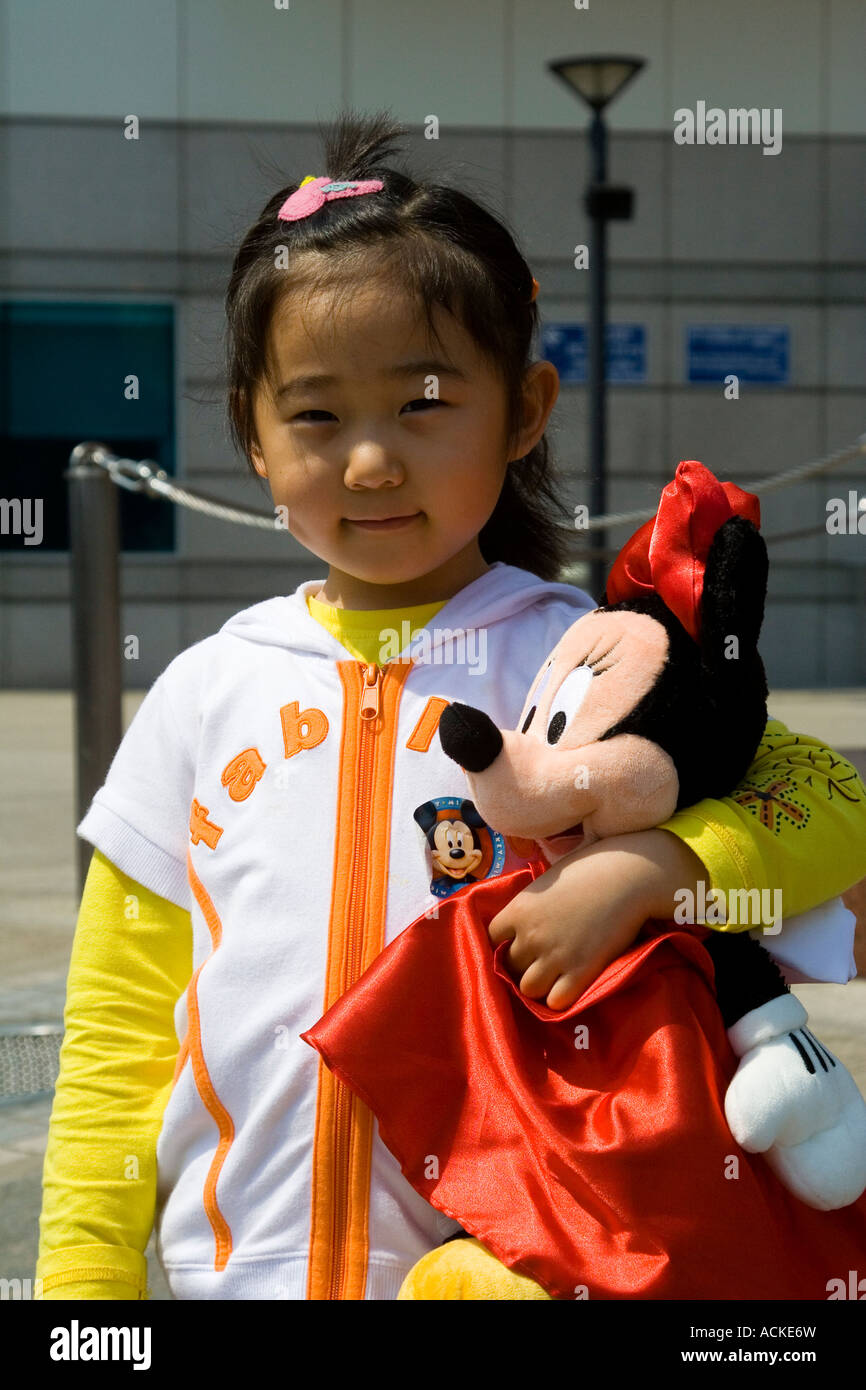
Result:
[[797, 822]]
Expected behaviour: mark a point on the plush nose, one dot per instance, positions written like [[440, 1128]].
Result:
[[469, 736]]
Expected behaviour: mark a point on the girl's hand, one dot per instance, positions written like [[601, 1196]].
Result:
[[567, 925]]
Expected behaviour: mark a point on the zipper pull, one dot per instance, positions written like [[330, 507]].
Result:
[[370, 698]]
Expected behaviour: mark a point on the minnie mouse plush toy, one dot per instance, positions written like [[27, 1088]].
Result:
[[677, 1132]]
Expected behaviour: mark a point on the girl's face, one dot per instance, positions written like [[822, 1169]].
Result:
[[387, 475]]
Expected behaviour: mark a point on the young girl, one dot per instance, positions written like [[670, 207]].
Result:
[[255, 841]]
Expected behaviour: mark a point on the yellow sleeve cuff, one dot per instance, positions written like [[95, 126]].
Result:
[[794, 826], [715, 834], [92, 1271]]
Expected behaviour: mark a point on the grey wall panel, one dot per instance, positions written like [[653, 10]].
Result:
[[36, 576], [626, 494], [483, 64], [38, 645], [636, 427], [478, 162], [846, 209], [229, 175], [750, 438], [846, 345], [204, 618], [844, 635], [247, 63], [550, 170], [158, 628], [733, 203], [208, 453], [637, 434], [64, 273], [210, 538], [83, 185], [796, 509], [791, 643], [200, 326], [847, 547], [845, 422], [441, 60]]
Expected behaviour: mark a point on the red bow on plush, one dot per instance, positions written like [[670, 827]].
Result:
[[668, 554]]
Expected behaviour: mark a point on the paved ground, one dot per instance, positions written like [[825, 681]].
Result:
[[39, 899]]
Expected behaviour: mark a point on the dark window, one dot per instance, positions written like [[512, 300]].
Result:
[[63, 371]]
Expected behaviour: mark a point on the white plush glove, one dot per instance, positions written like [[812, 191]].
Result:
[[794, 1102]]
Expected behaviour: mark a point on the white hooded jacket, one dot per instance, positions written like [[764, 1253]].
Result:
[[252, 789]]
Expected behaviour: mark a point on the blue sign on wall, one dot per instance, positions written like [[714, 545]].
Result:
[[566, 345], [750, 351]]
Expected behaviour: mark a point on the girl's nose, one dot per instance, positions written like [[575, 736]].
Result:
[[371, 465], [469, 736]]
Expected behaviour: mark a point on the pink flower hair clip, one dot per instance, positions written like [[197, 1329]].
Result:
[[313, 192]]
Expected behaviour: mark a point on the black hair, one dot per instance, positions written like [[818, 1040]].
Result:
[[448, 250]]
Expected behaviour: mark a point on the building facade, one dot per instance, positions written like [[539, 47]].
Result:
[[116, 251]]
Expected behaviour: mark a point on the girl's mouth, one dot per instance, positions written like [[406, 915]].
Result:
[[387, 523]]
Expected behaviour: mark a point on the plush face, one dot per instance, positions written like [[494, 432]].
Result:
[[454, 851], [556, 779]]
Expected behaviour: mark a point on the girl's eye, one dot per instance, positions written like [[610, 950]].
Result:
[[421, 400]]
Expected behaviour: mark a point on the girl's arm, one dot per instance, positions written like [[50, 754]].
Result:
[[131, 960], [796, 822]]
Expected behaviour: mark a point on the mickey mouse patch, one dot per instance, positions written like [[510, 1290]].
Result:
[[463, 847]]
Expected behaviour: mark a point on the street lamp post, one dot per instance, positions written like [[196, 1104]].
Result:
[[597, 81], [597, 331]]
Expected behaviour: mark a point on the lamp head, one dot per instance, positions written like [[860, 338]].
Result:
[[597, 79]]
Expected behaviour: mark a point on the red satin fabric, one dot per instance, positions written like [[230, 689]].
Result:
[[600, 1167], [668, 554]]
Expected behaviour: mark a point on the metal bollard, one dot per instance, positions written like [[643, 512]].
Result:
[[95, 591]]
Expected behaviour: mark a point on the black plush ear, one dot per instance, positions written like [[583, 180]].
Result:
[[733, 676], [470, 816], [734, 592], [425, 816], [708, 707]]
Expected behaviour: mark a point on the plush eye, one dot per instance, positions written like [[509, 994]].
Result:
[[567, 701], [541, 683]]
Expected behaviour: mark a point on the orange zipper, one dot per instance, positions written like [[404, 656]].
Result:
[[356, 912], [342, 1147]]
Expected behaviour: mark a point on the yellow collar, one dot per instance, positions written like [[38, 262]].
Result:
[[364, 631]]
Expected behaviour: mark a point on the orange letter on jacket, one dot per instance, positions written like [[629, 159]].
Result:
[[200, 828], [242, 773], [302, 729]]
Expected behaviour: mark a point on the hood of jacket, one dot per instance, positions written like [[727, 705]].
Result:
[[500, 593]]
